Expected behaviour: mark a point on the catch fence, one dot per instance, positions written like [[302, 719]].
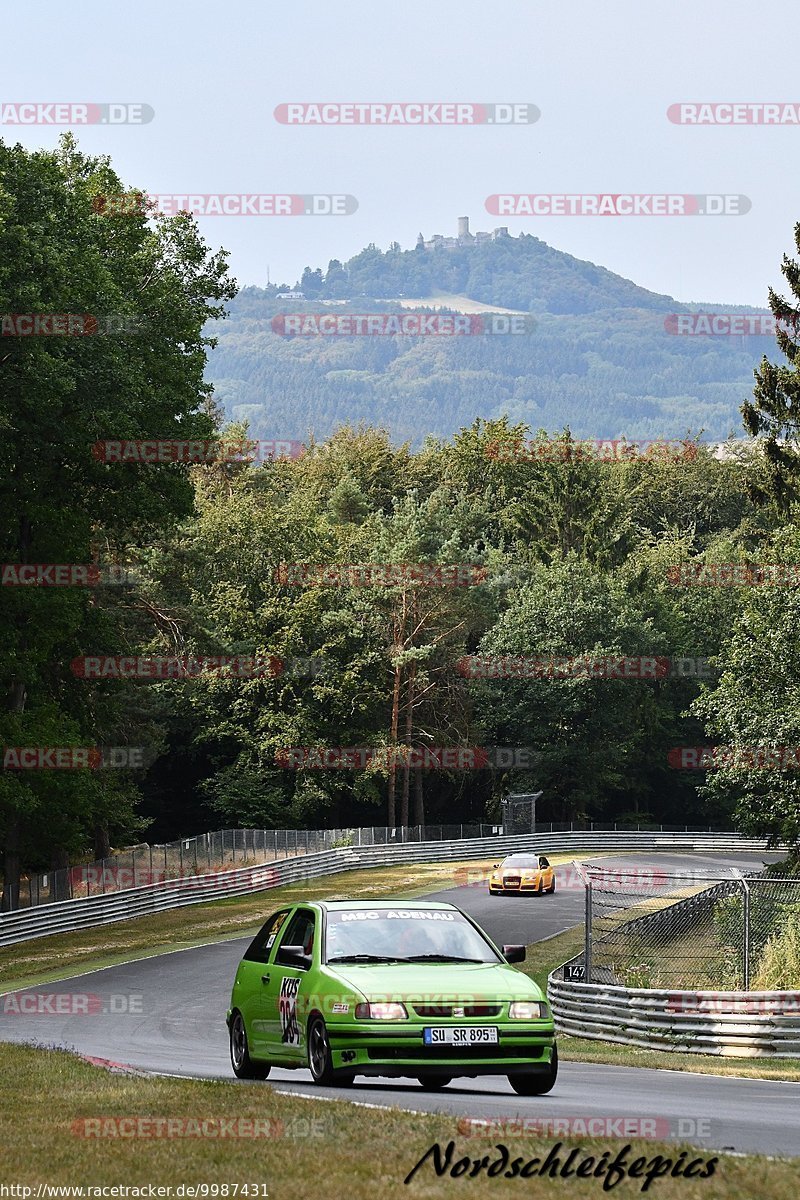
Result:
[[649, 929]]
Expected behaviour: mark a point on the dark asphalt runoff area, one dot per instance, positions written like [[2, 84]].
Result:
[[166, 1014]]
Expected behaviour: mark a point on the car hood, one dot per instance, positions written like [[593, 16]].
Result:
[[470, 982]]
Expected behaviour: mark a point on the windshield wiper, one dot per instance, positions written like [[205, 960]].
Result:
[[365, 958], [443, 958]]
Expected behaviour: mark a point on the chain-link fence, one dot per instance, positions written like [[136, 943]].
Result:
[[729, 932], [218, 851], [227, 848]]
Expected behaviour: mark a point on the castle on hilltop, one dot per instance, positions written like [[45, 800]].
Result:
[[464, 238]]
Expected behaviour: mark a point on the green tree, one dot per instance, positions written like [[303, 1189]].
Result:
[[151, 287], [756, 704], [773, 415], [596, 738]]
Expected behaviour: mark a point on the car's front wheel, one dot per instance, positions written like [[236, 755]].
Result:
[[320, 1059], [539, 1084], [434, 1083], [242, 1063]]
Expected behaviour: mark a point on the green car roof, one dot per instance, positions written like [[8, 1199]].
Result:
[[334, 905]]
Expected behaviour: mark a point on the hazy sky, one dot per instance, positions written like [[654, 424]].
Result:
[[603, 77]]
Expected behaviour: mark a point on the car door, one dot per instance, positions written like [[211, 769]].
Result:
[[285, 995], [252, 977]]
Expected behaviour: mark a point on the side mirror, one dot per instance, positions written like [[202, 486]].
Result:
[[294, 956], [514, 954]]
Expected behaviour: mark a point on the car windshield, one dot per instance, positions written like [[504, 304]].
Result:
[[521, 860], [401, 935]]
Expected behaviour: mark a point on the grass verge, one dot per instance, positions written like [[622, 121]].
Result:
[[315, 1150]]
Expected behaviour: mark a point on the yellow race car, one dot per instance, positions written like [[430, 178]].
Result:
[[522, 873]]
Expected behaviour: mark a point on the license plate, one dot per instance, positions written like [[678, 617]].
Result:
[[460, 1035]]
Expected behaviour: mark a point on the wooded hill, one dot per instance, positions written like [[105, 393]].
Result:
[[599, 358]]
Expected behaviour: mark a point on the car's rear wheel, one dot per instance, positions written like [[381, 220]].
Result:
[[539, 1084], [320, 1059], [434, 1083], [242, 1063]]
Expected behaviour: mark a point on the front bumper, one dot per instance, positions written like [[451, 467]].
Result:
[[397, 1051], [502, 889]]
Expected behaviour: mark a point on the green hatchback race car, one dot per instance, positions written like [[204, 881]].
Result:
[[390, 988]]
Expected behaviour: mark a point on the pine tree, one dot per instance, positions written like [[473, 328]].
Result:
[[774, 412]]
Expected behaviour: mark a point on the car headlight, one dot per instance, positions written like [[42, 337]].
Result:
[[529, 875], [528, 1010], [381, 1012]]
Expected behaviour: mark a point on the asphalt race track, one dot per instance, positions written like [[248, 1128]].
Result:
[[167, 1014]]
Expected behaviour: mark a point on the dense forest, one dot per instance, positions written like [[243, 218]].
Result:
[[564, 557], [597, 356]]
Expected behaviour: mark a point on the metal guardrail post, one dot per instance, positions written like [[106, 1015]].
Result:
[[745, 926], [587, 934], [746, 907]]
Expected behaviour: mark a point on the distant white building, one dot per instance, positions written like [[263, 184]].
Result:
[[290, 296]]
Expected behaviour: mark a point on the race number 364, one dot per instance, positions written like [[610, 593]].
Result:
[[287, 1009]]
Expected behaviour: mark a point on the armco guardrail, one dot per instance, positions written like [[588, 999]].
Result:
[[738, 1024], [91, 911]]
